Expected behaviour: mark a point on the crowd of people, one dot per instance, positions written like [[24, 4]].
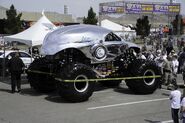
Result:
[[169, 57]]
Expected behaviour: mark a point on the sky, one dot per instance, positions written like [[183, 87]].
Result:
[[78, 8]]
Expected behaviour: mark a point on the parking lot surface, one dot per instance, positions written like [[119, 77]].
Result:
[[106, 105]]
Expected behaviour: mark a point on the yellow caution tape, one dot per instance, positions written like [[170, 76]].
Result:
[[99, 79], [106, 79]]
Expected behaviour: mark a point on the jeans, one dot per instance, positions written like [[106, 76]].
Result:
[[175, 115], [15, 81]]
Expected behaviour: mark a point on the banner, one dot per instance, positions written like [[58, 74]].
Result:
[[121, 7], [112, 9], [152, 8], [174, 8], [133, 8], [161, 8], [147, 8], [138, 8]]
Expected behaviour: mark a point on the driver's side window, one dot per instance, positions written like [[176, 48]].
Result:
[[112, 37], [109, 38]]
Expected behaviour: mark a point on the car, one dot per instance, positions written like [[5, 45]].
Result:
[[78, 56], [26, 58]]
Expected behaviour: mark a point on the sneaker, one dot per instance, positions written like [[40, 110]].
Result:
[[19, 91]]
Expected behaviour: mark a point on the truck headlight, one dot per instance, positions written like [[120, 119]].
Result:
[[99, 52]]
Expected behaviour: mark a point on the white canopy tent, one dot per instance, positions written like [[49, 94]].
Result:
[[123, 31], [34, 35], [111, 25], [114, 26]]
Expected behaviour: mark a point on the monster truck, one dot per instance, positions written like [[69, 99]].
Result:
[[85, 54]]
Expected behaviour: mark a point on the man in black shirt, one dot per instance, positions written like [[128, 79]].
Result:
[[15, 66]]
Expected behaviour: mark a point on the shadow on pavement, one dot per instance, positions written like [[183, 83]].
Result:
[[50, 96], [165, 94], [150, 121], [5, 90], [31, 92], [56, 98], [100, 87], [124, 90], [7, 79]]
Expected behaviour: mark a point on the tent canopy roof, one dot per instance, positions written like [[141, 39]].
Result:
[[113, 26], [34, 35]]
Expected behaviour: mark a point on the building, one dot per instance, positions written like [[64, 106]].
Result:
[[34, 16]]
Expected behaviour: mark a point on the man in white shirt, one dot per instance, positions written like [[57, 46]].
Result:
[[175, 98]]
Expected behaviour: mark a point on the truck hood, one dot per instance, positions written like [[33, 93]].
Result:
[[74, 36]]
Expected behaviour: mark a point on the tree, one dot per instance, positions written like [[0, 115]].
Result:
[[143, 26], [2, 25], [177, 25], [13, 22], [91, 18]]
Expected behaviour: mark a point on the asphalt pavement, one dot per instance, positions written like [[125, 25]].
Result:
[[106, 105]]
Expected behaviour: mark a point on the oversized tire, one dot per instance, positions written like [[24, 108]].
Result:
[[76, 91], [143, 68], [39, 78]]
